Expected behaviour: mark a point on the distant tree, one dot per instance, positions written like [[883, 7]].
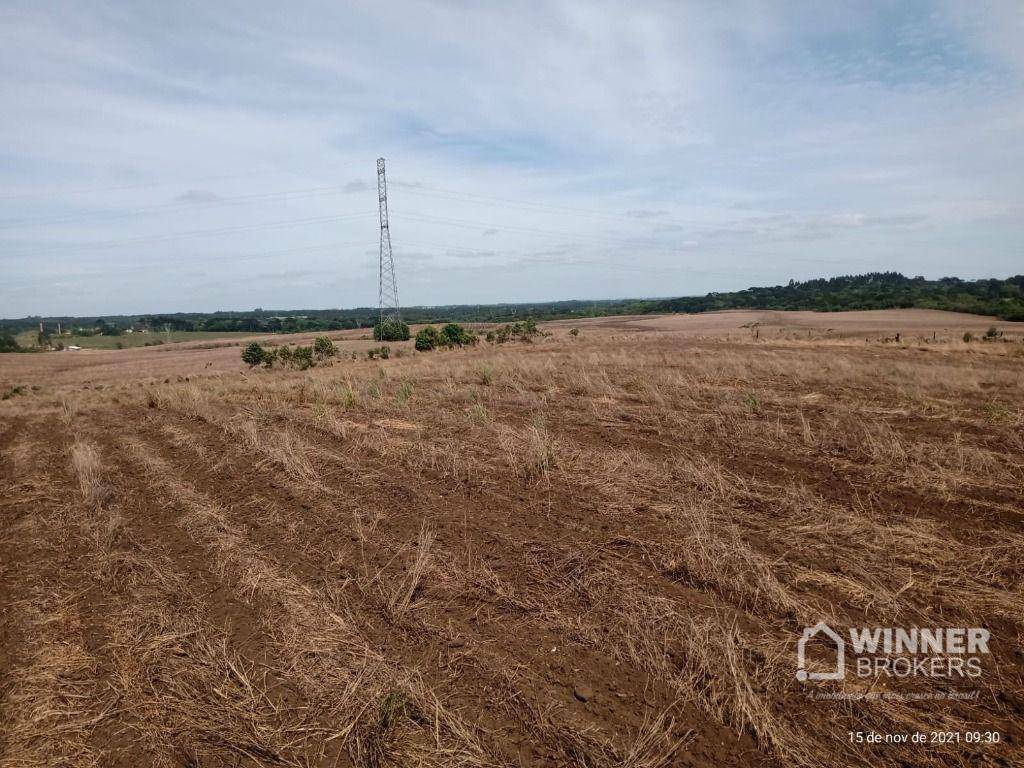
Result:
[[253, 354], [391, 330]]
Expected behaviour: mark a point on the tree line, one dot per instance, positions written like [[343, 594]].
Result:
[[875, 290]]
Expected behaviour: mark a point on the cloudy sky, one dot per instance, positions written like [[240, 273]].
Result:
[[209, 155]]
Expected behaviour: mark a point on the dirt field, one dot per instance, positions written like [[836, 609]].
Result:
[[595, 550]]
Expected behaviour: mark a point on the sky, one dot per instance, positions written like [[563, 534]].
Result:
[[198, 156]]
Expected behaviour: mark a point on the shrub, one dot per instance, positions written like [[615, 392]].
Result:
[[302, 358], [391, 330], [968, 337], [269, 358], [524, 331], [485, 373], [13, 392], [324, 347], [253, 354], [992, 333], [383, 351], [574, 331], [284, 354], [454, 335], [8, 343], [427, 339]]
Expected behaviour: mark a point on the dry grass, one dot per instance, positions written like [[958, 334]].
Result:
[[88, 468], [413, 561]]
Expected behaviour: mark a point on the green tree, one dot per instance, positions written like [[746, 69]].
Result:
[[253, 354]]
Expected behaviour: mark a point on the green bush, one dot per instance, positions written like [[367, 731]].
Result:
[[324, 347], [523, 331], [427, 339], [253, 354], [302, 358], [454, 335], [8, 343], [383, 351], [391, 330]]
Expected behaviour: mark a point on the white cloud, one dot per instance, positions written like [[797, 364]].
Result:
[[617, 148]]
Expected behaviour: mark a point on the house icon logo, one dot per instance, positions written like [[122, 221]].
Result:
[[821, 628]]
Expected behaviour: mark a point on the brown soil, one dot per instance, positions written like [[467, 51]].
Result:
[[597, 550]]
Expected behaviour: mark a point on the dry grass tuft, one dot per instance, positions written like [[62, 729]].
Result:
[[88, 467], [401, 598]]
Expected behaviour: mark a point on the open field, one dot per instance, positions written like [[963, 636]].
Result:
[[592, 551], [28, 339]]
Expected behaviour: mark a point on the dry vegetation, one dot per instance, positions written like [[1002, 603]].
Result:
[[587, 551]]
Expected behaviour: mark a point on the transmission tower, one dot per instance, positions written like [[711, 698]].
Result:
[[389, 309]]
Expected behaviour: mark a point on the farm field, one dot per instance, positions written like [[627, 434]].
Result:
[[27, 339], [591, 550]]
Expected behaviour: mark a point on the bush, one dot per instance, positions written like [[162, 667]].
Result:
[[524, 331], [253, 354], [427, 339], [574, 331], [383, 351], [968, 337], [13, 392], [8, 343], [302, 358], [454, 335], [391, 330], [284, 354], [324, 347]]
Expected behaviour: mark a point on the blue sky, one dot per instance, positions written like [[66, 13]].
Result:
[[221, 155]]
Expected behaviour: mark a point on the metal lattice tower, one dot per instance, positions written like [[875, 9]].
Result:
[[389, 309]]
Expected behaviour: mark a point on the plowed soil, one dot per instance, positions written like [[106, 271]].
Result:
[[590, 550]]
